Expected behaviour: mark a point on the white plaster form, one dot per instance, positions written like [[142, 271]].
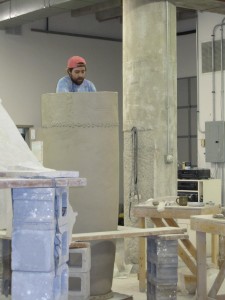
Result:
[[16, 156]]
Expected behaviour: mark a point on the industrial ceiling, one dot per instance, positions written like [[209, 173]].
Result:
[[15, 13]]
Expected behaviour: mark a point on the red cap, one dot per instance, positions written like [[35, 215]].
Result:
[[74, 61]]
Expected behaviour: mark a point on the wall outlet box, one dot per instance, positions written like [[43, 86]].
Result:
[[215, 141]]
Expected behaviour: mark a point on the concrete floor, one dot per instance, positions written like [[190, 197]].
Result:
[[125, 282], [129, 286]]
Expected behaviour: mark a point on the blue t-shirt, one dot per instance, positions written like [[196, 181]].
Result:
[[66, 85]]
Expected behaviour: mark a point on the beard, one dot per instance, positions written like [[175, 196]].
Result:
[[78, 81]]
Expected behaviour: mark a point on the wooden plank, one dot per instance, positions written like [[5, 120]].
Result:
[[169, 237], [176, 212], [201, 266], [208, 224], [158, 222], [218, 282], [187, 260], [142, 259], [186, 242], [40, 173], [107, 235], [9, 183], [3, 235], [215, 248]]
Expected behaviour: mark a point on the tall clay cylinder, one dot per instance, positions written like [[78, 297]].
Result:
[[80, 133]]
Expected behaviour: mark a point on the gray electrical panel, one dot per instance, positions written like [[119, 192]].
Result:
[[215, 141]]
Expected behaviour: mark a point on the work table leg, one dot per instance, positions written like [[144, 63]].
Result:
[[201, 266], [142, 259]]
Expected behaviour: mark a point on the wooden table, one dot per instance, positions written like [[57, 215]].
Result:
[[202, 225], [167, 218]]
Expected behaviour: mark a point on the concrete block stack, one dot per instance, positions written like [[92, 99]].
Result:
[[162, 263], [5, 267], [79, 271], [40, 249]]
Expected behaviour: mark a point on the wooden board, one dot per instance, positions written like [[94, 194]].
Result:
[[208, 224], [9, 183], [40, 174], [176, 212], [4, 236], [136, 232]]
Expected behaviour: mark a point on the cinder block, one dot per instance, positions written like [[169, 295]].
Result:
[[62, 200], [80, 257], [40, 285], [33, 205], [161, 248], [40, 205], [5, 287], [38, 250], [79, 284], [162, 272], [157, 291], [61, 282], [5, 267], [154, 258]]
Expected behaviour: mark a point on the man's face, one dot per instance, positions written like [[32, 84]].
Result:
[[78, 74]]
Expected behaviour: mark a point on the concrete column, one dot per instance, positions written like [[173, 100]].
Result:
[[150, 99]]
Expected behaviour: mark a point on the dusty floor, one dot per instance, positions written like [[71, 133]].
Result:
[[129, 286], [124, 282]]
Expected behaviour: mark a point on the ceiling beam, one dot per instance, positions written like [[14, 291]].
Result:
[[109, 14], [217, 6], [95, 8], [184, 14], [186, 9]]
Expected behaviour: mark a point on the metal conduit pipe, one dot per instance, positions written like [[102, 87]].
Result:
[[198, 104], [222, 86], [169, 154], [167, 79], [222, 77], [213, 72], [222, 99], [213, 66]]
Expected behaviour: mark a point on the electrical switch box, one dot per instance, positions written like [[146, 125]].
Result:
[[215, 141]]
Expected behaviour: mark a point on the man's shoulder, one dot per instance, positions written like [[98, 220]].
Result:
[[90, 84], [65, 79], [64, 85]]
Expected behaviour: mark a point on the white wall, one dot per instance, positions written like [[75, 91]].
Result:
[[32, 63], [206, 23]]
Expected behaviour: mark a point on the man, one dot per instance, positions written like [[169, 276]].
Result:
[[75, 80]]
